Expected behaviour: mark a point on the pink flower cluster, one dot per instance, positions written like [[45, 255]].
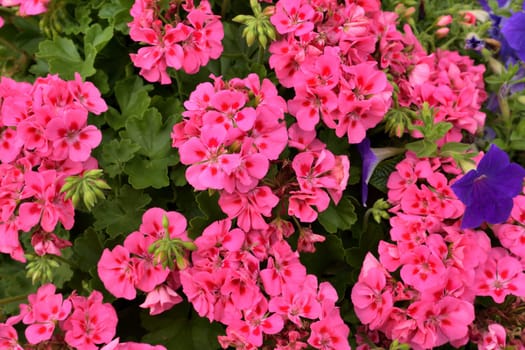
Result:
[[448, 82], [253, 282], [453, 86], [442, 267], [172, 42], [325, 54], [44, 137], [27, 7], [328, 52], [132, 266], [233, 131], [84, 322]]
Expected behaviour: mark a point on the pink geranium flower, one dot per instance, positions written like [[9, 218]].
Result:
[[117, 272], [92, 322], [71, 137]]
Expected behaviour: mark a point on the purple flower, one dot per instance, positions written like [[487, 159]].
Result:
[[487, 191], [472, 42], [371, 157], [514, 32]]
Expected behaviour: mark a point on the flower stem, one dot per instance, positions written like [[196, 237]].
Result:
[[14, 299]]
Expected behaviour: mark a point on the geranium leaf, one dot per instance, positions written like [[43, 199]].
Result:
[[144, 173], [115, 154], [116, 12], [63, 58], [132, 96], [340, 217], [98, 37], [151, 134], [113, 215]]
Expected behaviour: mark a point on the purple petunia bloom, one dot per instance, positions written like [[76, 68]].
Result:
[[487, 191], [371, 157], [514, 32]]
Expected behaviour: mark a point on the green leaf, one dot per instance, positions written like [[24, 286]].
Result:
[[354, 257], [178, 176], [116, 153], [87, 249], [100, 79], [422, 148], [122, 214], [335, 144], [63, 58], [98, 37], [144, 173], [332, 266], [151, 134], [450, 148], [13, 282], [115, 120], [116, 12], [340, 217], [517, 137], [181, 329], [208, 206], [81, 20], [62, 274], [382, 172], [132, 96]]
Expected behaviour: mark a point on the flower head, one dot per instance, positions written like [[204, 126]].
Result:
[[487, 191], [512, 30]]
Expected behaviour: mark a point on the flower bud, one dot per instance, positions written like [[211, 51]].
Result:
[[442, 32], [444, 21]]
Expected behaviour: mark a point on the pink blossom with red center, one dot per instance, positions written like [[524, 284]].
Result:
[[249, 208], [494, 338], [49, 206], [71, 137], [500, 276], [9, 338], [257, 321], [209, 159], [372, 297], [293, 16], [117, 272], [160, 299], [91, 322], [440, 322], [329, 333]]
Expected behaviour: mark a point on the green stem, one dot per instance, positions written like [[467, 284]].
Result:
[[22, 54], [366, 218], [260, 55], [14, 299], [225, 7], [179, 86]]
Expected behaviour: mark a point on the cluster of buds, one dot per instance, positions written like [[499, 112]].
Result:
[[170, 251], [40, 268], [258, 27], [87, 187]]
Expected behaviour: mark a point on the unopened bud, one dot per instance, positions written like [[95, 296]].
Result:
[[410, 11], [269, 11], [444, 21], [442, 32]]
